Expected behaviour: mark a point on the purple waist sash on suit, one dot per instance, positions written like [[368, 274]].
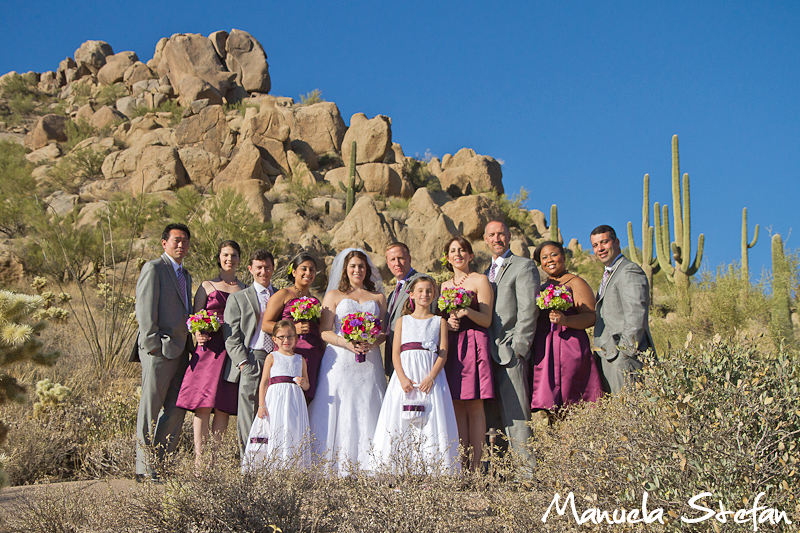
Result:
[[412, 346], [281, 379]]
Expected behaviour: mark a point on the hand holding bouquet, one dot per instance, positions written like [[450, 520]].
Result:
[[360, 328], [306, 308], [556, 298]]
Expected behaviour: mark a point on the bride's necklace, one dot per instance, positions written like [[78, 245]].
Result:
[[234, 282], [458, 283]]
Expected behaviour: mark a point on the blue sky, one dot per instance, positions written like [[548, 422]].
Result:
[[578, 99]]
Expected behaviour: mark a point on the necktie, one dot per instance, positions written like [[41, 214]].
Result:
[[182, 284], [606, 275], [492, 272], [396, 292], [268, 344]]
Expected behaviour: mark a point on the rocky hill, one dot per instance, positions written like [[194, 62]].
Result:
[[199, 114]]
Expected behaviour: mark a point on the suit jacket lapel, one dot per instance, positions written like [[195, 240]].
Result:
[[506, 263], [252, 297], [613, 271]]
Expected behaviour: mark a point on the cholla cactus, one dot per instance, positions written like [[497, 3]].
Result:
[[20, 325], [50, 395]]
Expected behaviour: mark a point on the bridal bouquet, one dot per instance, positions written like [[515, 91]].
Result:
[[361, 327], [455, 298], [203, 322], [555, 297], [306, 308]]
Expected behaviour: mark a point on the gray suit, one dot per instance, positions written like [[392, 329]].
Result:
[[242, 321], [395, 311], [621, 329], [511, 333], [163, 344]]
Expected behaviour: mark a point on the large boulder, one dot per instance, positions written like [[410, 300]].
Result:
[[44, 155], [427, 230], [246, 58], [379, 178], [319, 125], [114, 69], [461, 158], [48, 128], [479, 173], [470, 214], [218, 39], [201, 166], [61, 73], [373, 138], [208, 130], [105, 116], [246, 164], [364, 227], [267, 122], [92, 55], [135, 73], [159, 169], [194, 69], [252, 192]]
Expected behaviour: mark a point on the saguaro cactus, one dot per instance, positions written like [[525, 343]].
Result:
[[554, 233], [781, 320], [681, 247], [647, 260], [353, 184], [746, 246]]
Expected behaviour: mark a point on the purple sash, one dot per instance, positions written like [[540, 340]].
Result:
[[259, 440], [412, 346], [281, 379], [413, 408]]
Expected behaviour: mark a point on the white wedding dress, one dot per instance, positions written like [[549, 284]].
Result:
[[345, 409]]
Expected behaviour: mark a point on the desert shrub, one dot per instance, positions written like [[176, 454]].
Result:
[[516, 215], [72, 171], [109, 94], [718, 417], [215, 218], [301, 194], [17, 188], [313, 97], [418, 174], [167, 106], [77, 132], [22, 97], [329, 161], [397, 208]]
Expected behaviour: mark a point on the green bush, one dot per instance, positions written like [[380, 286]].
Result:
[[17, 190], [72, 171], [109, 94], [77, 132], [214, 219], [418, 174]]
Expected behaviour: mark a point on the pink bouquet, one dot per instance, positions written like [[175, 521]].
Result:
[[361, 327], [306, 308], [455, 298], [203, 322], [555, 297]]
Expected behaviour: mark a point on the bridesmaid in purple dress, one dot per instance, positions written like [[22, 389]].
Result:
[[203, 389], [302, 271], [564, 367], [468, 366]]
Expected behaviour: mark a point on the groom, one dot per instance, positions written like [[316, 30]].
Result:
[[163, 304], [398, 259], [246, 344], [516, 283]]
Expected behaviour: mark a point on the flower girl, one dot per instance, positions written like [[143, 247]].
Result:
[[417, 431], [279, 435]]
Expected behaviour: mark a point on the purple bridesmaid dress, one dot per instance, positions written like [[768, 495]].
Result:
[[311, 346], [469, 361]]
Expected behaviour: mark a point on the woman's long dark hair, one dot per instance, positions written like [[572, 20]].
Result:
[[344, 283], [464, 244], [298, 260]]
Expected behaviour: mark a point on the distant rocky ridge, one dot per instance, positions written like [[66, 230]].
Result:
[[255, 153]]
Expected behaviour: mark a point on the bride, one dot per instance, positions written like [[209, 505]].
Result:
[[345, 409]]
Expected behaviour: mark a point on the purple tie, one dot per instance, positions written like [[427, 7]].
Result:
[[268, 344], [182, 283], [492, 272], [396, 292]]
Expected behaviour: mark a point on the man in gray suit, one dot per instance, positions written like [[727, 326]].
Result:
[[621, 328], [246, 344], [163, 304], [398, 258], [516, 283]]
